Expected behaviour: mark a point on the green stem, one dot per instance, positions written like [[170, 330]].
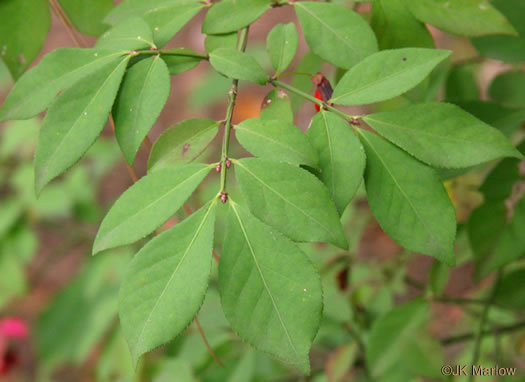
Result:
[[311, 98], [243, 39], [482, 322], [470, 336], [172, 52]]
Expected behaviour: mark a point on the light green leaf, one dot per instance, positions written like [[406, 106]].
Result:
[[23, 30], [35, 90], [508, 89], [91, 303], [276, 140], [335, 33], [165, 283], [439, 275], [165, 17], [442, 135], [270, 291], [277, 105], [147, 204], [87, 15], [182, 143], [130, 34], [75, 120], [386, 74], [393, 334], [408, 200], [239, 65], [341, 157], [282, 44], [232, 15], [289, 199], [180, 63], [216, 41], [470, 18], [12, 278], [396, 27], [142, 96]]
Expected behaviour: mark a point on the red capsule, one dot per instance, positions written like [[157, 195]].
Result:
[[224, 197], [218, 168], [324, 89], [228, 163]]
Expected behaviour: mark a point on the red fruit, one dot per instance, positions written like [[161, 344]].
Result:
[[324, 90], [318, 96]]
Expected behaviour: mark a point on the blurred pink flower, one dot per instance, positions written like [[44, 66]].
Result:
[[12, 327]]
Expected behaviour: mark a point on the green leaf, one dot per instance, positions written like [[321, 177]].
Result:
[[289, 199], [58, 70], [408, 200], [438, 277], [277, 105], [470, 18], [165, 17], [510, 292], [461, 84], [276, 140], [239, 65], [182, 143], [130, 34], [393, 334], [335, 33], [12, 278], [165, 283], [147, 204], [341, 157], [310, 63], [87, 15], [91, 303], [180, 63], [282, 44], [142, 96], [23, 30], [270, 291], [232, 15], [216, 41], [386, 74], [395, 27], [75, 120], [442, 135], [508, 89], [504, 47]]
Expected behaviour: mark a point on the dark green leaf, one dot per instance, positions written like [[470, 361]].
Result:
[[341, 157], [147, 204], [23, 30], [270, 291], [386, 75], [289, 199], [165, 17], [142, 96], [276, 140], [408, 200], [130, 34], [442, 135], [182, 143], [470, 18], [181, 61], [75, 120], [239, 65], [165, 284], [277, 105], [58, 70], [461, 84], [282, 42], [335, 33], [87, 15], [232, 15], [508, 89], [395, 27], [510, 292]]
